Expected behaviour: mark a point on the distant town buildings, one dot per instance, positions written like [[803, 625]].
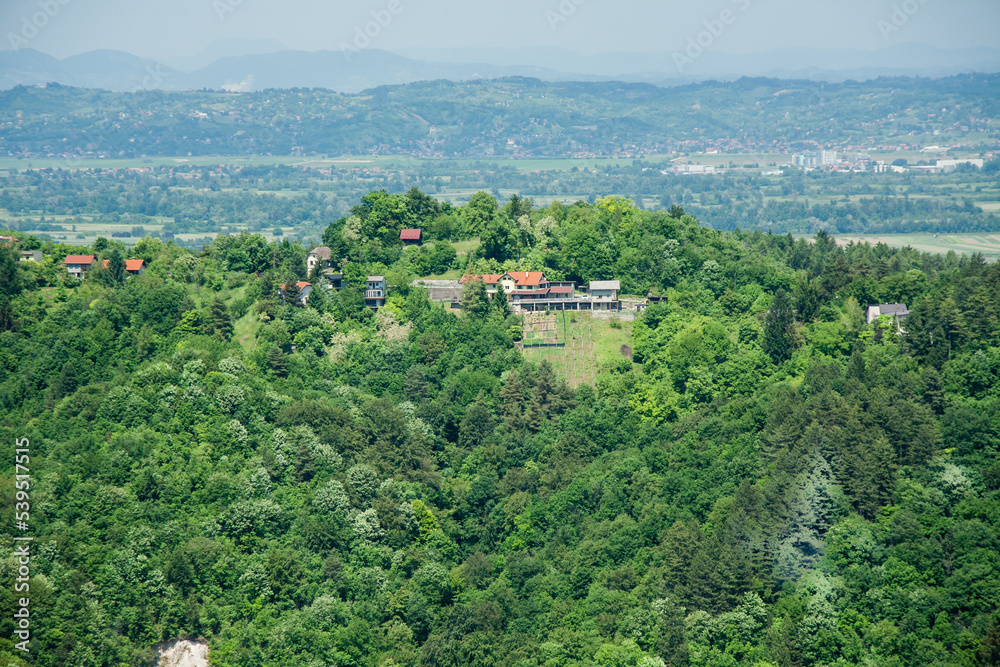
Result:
[[948, 166], [824, 159], [682, 169]]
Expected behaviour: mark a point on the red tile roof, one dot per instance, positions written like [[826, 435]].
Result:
[[561, 289], [527, 277], [79, 259], [488, 278], [302, 284], [130, 264], [410, 235]]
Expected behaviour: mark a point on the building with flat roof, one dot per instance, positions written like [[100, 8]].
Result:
[[375, 292]]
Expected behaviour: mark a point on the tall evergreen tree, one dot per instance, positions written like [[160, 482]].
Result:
[[10, 285], [220, 322], [115, 275], [475, 298], [501, 305], [777, 341], [293, 295], [319, 300]]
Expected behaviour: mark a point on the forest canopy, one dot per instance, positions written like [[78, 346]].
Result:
[[770, 479]]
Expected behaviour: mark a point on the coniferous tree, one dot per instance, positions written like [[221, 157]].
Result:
[[220, 322], [319, 297], [501, 305], [512, 402], [293, 295], [10, 285], [777, 341], [115, 275], [475, 298], [277, 361]]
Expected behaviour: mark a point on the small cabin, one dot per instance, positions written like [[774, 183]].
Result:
[[411, 236]]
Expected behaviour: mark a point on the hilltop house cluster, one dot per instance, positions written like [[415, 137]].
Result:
[[77, 266], [80, 266], [319, 263], [526, 291], [530, 291]]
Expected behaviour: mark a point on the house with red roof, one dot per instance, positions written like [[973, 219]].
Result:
[[133, 267], [523, 287], [531, 291], [411, 236], [305, 289], [78, 265]]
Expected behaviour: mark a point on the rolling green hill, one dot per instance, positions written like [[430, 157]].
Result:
[[771, 480], [516, 117]]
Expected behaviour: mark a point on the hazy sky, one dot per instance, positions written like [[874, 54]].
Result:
[[170, 28]]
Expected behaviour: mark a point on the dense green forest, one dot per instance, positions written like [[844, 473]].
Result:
[[768, 480], [519, 117], [304, 201]]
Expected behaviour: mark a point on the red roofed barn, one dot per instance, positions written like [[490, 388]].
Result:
[[410, 236]]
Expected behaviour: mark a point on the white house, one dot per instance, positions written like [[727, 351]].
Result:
[[318, 257], [898, 311], [375, 290]]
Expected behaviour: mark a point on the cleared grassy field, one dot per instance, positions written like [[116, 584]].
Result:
[[523, 165], [341, 162], [584, 345], [987, 243]]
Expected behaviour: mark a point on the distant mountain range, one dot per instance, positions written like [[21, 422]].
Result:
[[247, 65]]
